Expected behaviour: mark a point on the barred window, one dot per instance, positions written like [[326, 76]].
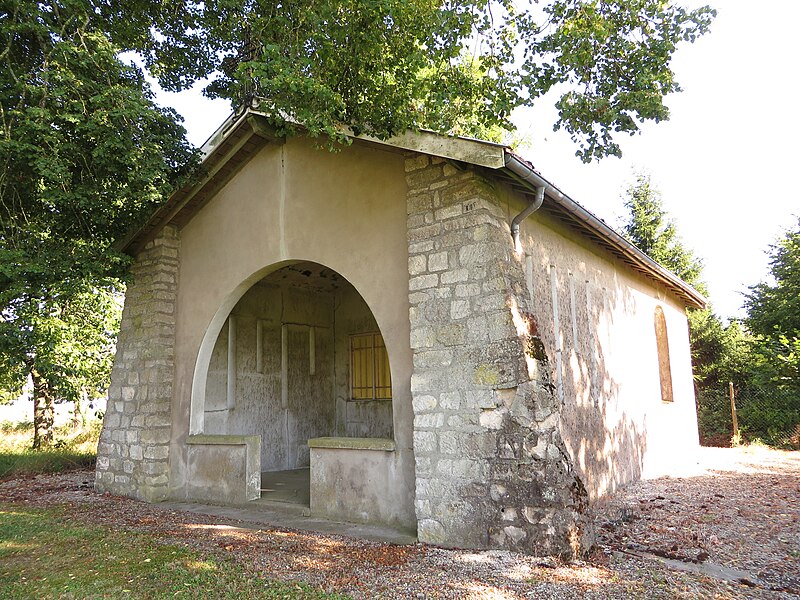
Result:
[[370, 378]]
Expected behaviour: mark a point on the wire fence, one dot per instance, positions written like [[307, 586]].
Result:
[[770, 416]]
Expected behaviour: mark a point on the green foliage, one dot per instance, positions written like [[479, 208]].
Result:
[[66, 340], [50, 554], [85, 154], [787, 354], [63, 342], [649, 228], [773, 309], [766, 414], [381, 67], [771, 416], [614, 55], [721, 354], [763, 361], [775, 345], [773, 315]]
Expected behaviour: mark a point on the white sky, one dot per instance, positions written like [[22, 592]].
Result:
[[723, 162]]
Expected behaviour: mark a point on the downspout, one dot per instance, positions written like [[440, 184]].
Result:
[[525, 173], [527, 211]]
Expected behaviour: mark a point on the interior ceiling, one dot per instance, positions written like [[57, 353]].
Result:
[[307, 275]]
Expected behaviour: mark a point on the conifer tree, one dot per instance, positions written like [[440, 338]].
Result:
[[650, 229], [773, 313]]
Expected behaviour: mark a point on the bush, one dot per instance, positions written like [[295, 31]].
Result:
[[7, 427], [773, 416], [714, 418]]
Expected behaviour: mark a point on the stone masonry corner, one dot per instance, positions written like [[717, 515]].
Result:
[[491, 468], [133, 452]]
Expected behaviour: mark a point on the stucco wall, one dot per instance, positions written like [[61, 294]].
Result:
[[355, 418], [257, 404], [596, 319], [294, 202], [352, 480]]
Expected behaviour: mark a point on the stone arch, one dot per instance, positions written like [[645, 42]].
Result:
[[287, 313]]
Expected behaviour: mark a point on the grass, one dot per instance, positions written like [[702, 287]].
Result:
[[45, 554], [74, 448]]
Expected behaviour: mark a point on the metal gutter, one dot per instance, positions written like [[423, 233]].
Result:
[[526, 173], [526, 212], [530, 178]]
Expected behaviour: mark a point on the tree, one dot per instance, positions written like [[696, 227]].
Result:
[[649, 229], [84, 155], [64, 344], [85, 151], [773, 313], [383, 66], [761, 360], [720, 353], [773, 308]]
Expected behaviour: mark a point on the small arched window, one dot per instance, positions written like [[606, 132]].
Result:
[[662, 344]]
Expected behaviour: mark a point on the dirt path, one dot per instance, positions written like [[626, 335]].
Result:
[[738, 519], [732, 531]]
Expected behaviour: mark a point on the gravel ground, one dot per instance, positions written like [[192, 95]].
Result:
[[731, 531]]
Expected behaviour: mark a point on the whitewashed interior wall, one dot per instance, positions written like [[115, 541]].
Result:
[[291, 368]]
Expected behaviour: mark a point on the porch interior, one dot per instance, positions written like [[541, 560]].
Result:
[[300, 356], [290, 487]]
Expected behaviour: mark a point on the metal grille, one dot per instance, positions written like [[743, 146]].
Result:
[[370, 377]]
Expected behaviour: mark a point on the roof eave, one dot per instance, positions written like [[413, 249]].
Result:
[[245, 130], [222, 155], [518, 166]]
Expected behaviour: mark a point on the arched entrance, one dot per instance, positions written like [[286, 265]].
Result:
[[299, 357]]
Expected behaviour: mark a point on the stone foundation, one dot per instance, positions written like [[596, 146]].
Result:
[[491, 468], [133, 452]]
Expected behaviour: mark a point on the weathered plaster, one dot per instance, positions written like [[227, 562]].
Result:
[[224, 468], [614, 423], [285, 316], [273, 213], [315, 399], [353, 479], [352, 443]]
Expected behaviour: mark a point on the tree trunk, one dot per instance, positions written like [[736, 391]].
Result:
[[78, 416], [43, 413]]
